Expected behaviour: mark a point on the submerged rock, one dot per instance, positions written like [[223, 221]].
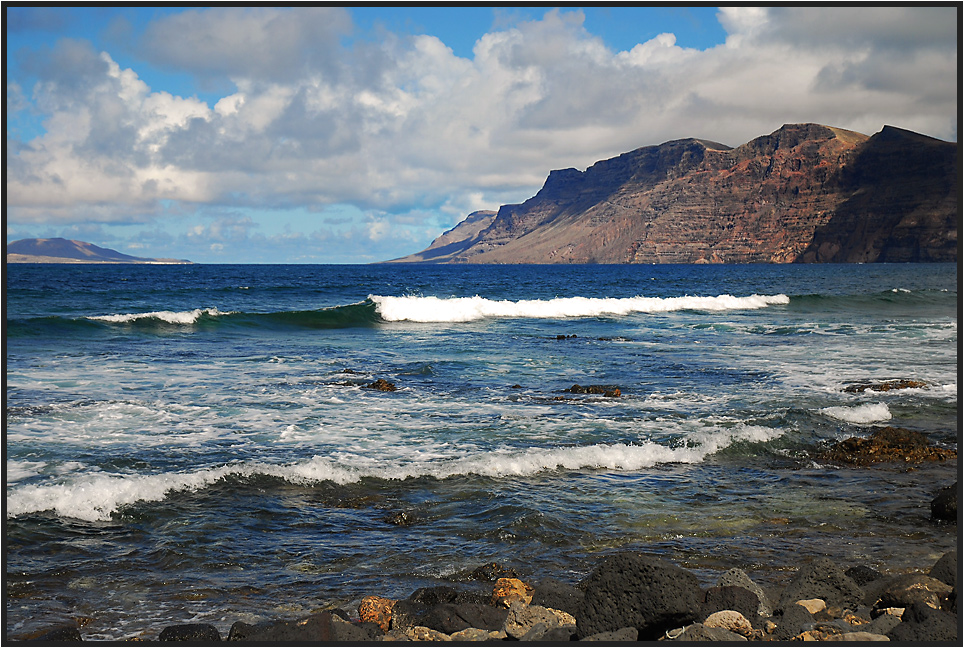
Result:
[[381, 385], [944, 506], [610, 391], [888, 444], [884, 386]]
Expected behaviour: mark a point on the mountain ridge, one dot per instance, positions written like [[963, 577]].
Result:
[[60, 250], [804, 193]]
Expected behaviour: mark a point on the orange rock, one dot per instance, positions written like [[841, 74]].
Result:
[[511, 590], [376, 609]]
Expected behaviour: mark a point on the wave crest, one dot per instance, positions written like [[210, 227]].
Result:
[[467, 309]]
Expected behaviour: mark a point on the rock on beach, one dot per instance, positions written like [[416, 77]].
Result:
[[629, 597]]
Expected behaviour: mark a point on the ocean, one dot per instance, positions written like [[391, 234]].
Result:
[[200, 444]]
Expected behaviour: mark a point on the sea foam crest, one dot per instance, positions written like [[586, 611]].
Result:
[[467, 309], [171, 317], [96, 496], [866, 413]]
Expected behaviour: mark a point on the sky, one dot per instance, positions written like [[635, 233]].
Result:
[[255, 134]]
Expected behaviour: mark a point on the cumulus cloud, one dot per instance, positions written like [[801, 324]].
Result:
[[403, 126]]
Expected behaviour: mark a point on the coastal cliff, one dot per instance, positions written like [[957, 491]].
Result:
[[804, 193], [59, 250]]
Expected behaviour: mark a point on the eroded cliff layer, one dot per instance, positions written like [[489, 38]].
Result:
[[805, 193]]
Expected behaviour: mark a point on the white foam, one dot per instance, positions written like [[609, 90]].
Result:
[[20, 470], [866, 413], [171, 317], [95, 496], [467, 309]]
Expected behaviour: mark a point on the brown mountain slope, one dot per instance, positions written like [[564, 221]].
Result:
[[803, 193], [59, 250]]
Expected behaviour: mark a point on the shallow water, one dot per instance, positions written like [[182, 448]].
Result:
[[184, 443]]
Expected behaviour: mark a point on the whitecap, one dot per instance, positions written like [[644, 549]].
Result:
[[171, 317], [467, 309], [866, 413]]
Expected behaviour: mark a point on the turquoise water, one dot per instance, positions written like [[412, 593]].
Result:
[[195, 443]]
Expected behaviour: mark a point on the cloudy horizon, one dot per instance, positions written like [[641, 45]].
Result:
[[338, 135]]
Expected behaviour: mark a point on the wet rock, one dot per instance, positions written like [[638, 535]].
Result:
[[401, 518], [908, 589], [511, 590], [738, 578], [629, 589], [560, 634], [861, 574], [605, 390], [491, 572], [945, 569], [193, 632], [888, 444], [921, 623], [944, 506], [884, 386], [566, 337], [63, 633], [557, 595], [822, 579], [882, 624], [377, 610], [731, 598], [381, 385], [623, 634]]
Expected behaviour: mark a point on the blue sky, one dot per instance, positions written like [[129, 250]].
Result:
[[244, 134]]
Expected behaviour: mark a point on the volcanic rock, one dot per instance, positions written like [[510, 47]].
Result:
[[921, 623], [885, 386], [557, 595], [377, 610], [511, 590], [945, 569], [381, 385], [647, 593], [822, 579], [804, 193], [738, 578], [944, 506], [888, 444], [905, 590], [862, 574], [193, 632]]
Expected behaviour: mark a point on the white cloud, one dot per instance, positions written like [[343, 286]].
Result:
[[404, 126]]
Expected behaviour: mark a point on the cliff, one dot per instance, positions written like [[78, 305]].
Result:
[[59, 250], [805, 193]]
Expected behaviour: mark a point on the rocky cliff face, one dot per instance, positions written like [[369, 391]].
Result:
[[805, 193]]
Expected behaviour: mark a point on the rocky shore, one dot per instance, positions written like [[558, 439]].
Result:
[[630, 597]]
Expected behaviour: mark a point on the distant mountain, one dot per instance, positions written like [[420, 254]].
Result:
[[804, 193], [58, 250]]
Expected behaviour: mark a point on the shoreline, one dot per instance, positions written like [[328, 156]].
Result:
[[628, 596]]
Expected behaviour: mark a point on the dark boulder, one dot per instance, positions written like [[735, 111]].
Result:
[[610, 391], [491, 572], [60, 634], [794, 620], [557, 595], [731, 597], [945, 569], [451, 617], [822, 579], [907, 589], [888, 444], [614, 636], [381, 385], [649, 594], [862, 574], [193, 632], [317, 627], [944, 506], [921, 623]]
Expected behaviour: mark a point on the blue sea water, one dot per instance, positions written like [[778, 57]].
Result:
[[197, 443]]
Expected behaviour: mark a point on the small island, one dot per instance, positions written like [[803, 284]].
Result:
[[59, 250]]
